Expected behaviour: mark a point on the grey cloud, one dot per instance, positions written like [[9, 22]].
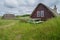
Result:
[[24, 6], [11, 3]]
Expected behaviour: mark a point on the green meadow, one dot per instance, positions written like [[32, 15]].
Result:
[[18, 30]]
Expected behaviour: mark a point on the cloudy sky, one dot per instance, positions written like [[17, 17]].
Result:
[[20, 7]]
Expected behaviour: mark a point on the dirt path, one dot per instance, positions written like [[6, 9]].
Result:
[[9, 25]]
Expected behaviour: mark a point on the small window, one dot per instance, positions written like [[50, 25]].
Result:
[[40, 13]]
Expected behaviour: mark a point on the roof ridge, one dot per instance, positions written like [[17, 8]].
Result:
[[55, 13]]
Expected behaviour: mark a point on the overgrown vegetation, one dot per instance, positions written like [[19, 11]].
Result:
[[49, 30], [26, 15]]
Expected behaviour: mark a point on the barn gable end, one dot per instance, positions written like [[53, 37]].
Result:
[[46, 12]]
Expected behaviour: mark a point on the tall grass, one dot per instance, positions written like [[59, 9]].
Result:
[[49, 30], [5, 22]]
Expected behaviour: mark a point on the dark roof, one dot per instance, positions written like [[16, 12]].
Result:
[[52, 10]]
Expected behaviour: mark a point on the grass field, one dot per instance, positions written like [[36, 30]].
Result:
[[17, 30]]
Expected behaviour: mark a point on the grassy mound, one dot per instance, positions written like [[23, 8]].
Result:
[[49, 30]]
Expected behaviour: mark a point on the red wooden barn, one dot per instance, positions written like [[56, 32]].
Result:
[[42, 12]]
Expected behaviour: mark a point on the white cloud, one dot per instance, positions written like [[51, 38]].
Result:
[[26, 2], [30, 1], [24, 6]]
